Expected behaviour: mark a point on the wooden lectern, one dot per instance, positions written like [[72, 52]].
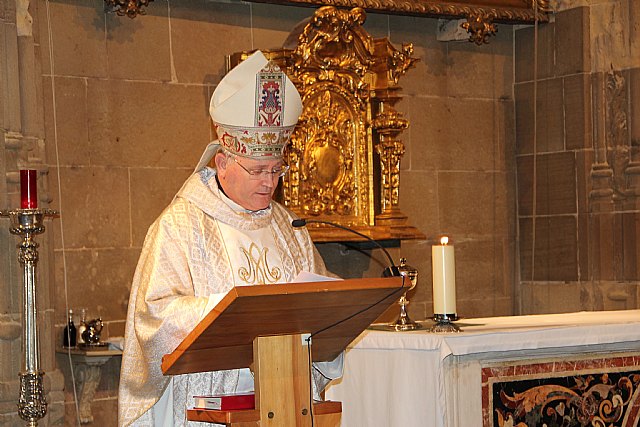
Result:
[[264, 327]]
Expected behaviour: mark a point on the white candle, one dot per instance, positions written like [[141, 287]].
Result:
[[444, 278]]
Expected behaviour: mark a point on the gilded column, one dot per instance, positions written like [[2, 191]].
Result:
[[389, 123]]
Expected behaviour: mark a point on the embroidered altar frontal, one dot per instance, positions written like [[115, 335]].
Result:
[[584, 392]]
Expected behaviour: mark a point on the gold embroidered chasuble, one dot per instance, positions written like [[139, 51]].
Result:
[[201, 246]]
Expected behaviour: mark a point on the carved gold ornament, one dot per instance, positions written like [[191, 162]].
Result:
[[507, 11], [130, 8], [345, 153], [480, 27], [542, 6]]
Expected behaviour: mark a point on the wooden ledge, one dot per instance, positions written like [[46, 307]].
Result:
[[252, 415]]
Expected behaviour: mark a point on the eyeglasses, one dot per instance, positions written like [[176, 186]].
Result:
[[276, 172]]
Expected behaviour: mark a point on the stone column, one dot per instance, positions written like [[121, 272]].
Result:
[[588, 158]]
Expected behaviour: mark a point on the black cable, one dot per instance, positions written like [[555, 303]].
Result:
[[390, 271], [361, 311], [308, 339], [302, 222], [310, 379]]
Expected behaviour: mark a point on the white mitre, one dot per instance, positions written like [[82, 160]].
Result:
[[254, 108]]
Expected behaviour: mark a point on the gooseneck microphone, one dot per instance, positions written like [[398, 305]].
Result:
[[390, 271]]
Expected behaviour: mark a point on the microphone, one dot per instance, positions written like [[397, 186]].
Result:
[[391, 271]]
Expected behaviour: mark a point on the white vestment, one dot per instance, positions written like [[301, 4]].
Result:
[[201, 246]]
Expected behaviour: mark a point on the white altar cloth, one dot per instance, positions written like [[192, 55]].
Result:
[[397, 378]]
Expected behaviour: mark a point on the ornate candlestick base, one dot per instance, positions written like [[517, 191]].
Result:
[[444, 323], [27, 223], [404, 323], [32, 405]]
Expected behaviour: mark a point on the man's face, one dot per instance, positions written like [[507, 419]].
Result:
[[250, 192]]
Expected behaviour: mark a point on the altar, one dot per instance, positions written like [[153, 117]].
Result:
[[497, 372]]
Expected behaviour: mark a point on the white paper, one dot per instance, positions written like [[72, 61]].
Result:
[[307, 276]]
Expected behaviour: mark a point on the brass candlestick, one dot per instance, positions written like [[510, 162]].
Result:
[[32, 405]]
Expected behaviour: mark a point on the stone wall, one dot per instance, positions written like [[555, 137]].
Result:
[[587, 185], [120, 113]]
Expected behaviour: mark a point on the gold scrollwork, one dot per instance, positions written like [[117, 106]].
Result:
[[330, 148], [130, 8], [511, 11], [480, 27], [349, 85], [543, 6], [401, 61], [345, 153], [334, 47], [325, 159], [390, 152]]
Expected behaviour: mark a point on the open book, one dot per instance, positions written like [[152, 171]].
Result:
[[225, 402]]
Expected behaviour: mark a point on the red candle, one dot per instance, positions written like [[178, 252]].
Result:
[[28, 189]]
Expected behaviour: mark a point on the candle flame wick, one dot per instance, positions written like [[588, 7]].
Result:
[[444, 240]]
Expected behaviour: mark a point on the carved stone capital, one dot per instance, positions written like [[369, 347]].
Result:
[[10, 329]]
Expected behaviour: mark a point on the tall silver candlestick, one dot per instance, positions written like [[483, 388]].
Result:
[[32, 405]]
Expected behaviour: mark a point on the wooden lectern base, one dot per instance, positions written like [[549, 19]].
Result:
[[266, 328], [325, 414], [281, 374]]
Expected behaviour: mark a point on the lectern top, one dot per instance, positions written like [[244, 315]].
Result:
[[224, 338]]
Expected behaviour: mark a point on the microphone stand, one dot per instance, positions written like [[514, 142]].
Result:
[[404, 323]]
